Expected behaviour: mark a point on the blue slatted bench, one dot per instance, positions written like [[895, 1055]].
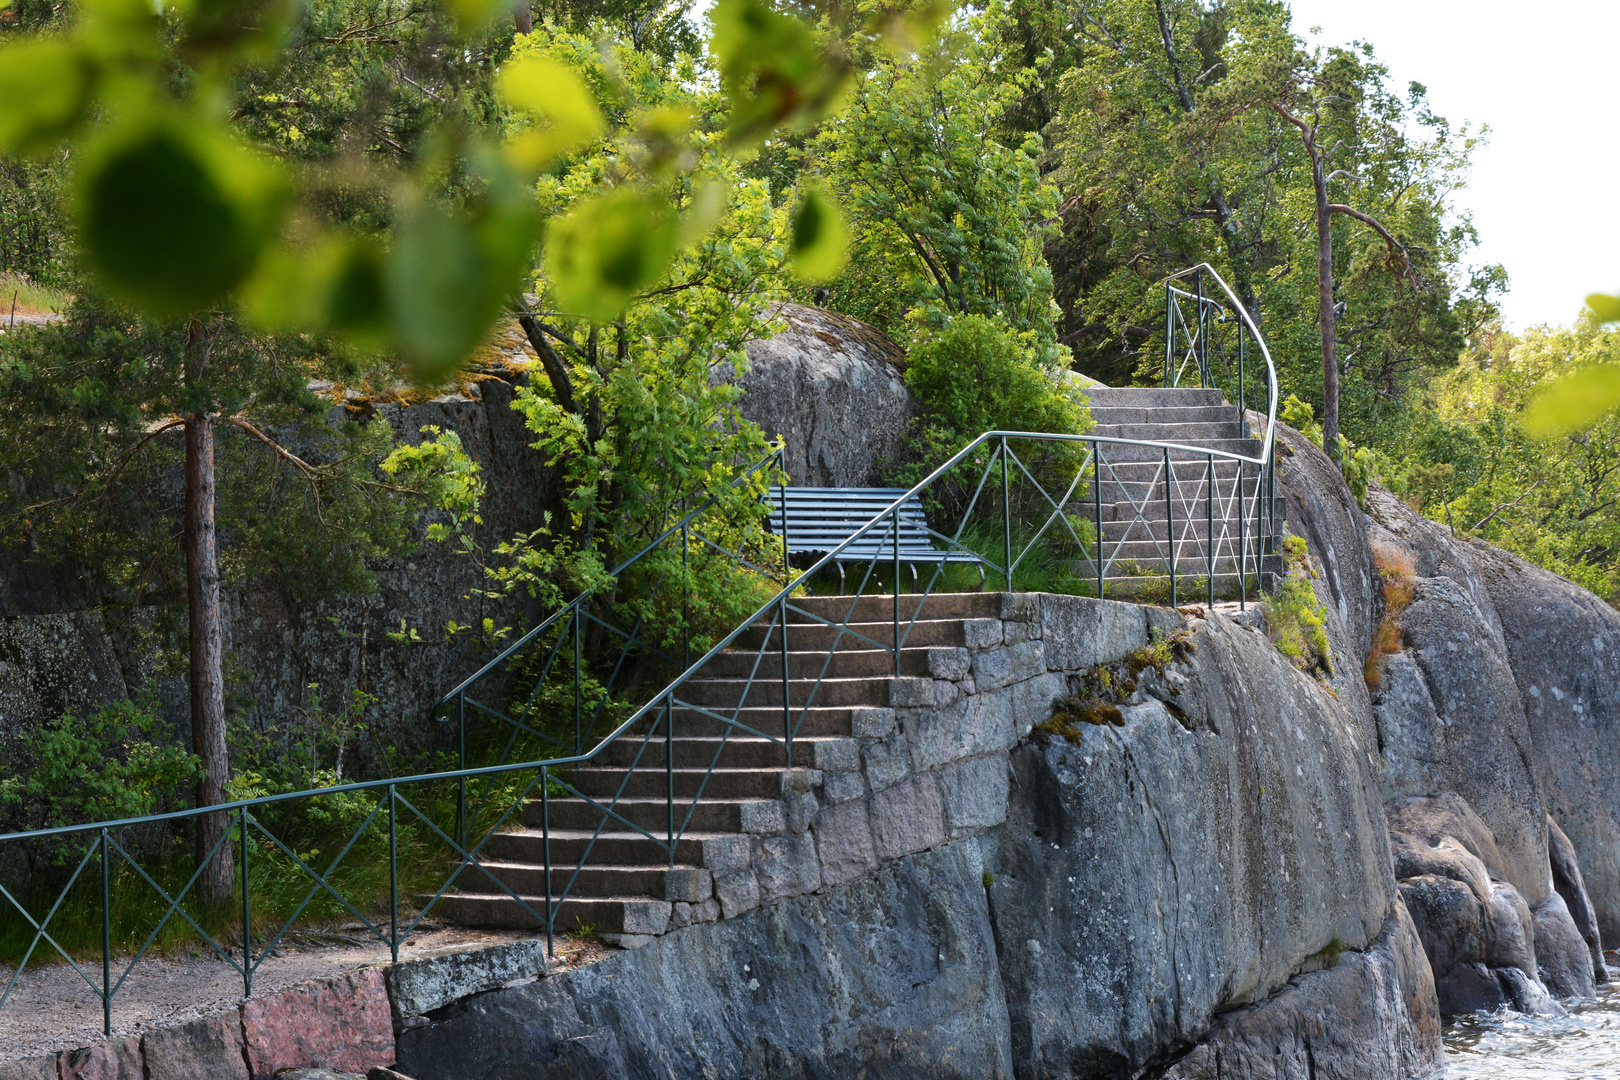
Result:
[[819, 519]]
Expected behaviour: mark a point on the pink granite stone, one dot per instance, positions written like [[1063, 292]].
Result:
[[342, 1024], [115, 1059]]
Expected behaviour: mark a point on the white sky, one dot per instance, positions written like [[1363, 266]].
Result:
[[1546, 78]]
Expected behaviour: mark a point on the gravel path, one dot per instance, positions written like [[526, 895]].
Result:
[[52, 1008]]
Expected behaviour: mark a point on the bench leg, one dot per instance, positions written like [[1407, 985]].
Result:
[[840, 579]]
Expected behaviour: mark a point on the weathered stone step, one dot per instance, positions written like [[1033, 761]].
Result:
[[1192, 589], [652, 779], [853, 658], [652, 814], [1127, 453], [1194, 526], [1138, 414], [616, 846], [603, 915], [765, 691], [1190, 504], [529, 879], [879, 606], [812, 636], [1154, 397], [818, 720], [1196, 434], [699, 751]]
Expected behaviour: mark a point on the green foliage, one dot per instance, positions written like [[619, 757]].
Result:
[[1480, 462], [1164, 162], [946, 219], [114, 763], [975, 373], [88, 428], [1296, 621]]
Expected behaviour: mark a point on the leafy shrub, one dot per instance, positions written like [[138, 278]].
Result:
[[114, 763]]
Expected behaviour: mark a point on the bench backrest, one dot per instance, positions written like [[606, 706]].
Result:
[[819, 519]]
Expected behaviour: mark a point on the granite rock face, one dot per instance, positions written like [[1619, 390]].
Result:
[[1563, 644], [1335, 1023], [55, 658], [1130, 896], [1256, 830], [1486, 945], [831, 387], [893, 975]]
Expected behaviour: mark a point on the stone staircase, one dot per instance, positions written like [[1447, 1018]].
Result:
[[1135, 523], [626, 888]]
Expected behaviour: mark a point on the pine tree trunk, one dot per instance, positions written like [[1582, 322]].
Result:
[[207, 675], [1324, 297]]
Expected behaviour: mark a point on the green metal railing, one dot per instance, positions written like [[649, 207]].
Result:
[[1013, 497]]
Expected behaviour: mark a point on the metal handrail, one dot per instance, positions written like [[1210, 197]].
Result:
[[658, 711]]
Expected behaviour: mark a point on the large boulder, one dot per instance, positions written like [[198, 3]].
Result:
[[1366, 1014], [1153, 875], [1486, 946], [1448, 707], [1564, 647], [832, 388], [1571, 887]]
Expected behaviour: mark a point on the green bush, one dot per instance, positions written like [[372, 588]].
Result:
[[976, 374]]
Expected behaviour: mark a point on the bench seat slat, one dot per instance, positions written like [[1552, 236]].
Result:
[[820, 519]]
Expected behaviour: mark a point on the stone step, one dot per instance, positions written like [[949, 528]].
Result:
[[1196, 434], [1137, 414], [1186, 528], [616, 846], [818, 721], [651, 779], [600, 914], [529, 879], [923, 634], [1189, 504], [764, 692], [876, 607], [1155, 588], [700, 751], [1123, 453], [853, 658], [1154, 397], [646, 812]]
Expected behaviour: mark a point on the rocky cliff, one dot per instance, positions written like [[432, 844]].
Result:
[[1181, 891]]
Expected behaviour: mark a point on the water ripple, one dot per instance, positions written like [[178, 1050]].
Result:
[[1506, 1045]]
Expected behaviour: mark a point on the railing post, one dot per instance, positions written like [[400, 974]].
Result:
[[1169, 331], [1209, 521], [545, 833], [106, 937], [1096, 498], [669, 770], [1243, 339], [686, 596], [247, 923], [393, 878], [787, 566], [579, 737], [1202, 351], [894, 534], [461, 784], [1006, 515], [1170, 522], [1243, 543], [787, 702]]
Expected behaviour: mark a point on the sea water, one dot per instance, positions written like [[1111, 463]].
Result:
[[1506, 1045]]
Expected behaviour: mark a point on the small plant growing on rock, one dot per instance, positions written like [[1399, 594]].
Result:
[[1398, 568], [1106, 687], [1296, 622]]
